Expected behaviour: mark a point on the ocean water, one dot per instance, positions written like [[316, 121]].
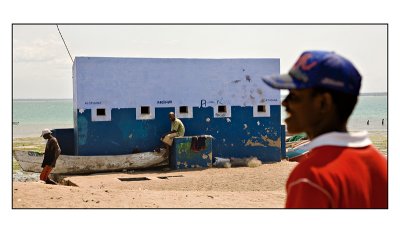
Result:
[[372, 109], [367, 115], [31, 116]]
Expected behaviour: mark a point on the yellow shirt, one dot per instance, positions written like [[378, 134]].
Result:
[[178, 126]]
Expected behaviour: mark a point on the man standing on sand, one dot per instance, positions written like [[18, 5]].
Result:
[[177, 130], [51, 154], [342, 170]]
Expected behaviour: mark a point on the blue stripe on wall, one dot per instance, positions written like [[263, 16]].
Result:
[[241, 135]]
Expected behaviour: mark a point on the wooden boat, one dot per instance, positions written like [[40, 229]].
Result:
[[295, 151], [73, 164]]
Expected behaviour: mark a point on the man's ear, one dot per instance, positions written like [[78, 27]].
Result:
[[326, 102]]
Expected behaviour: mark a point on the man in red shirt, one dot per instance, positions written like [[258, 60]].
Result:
[[342, 169]]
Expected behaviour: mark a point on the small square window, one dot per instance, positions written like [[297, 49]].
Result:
[[145, 110], [101, 112], [183, 109], [261, 108], [222, 109]]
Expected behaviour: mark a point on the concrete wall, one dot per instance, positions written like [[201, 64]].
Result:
[[121, 86]]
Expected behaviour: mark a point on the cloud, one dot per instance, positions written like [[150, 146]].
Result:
[[49, 50]]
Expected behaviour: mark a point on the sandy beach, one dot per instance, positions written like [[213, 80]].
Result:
[[237, 187], [242, 187]]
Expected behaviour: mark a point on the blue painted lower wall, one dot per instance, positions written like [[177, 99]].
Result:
[[240, 135], [65, 138]]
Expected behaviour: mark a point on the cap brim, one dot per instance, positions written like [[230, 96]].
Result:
[[284, 81]]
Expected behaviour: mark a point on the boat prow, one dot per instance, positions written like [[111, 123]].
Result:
[[73, 164], [297, 151]]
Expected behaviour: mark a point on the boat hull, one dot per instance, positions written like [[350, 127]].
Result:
[[72, 164], [298, 151]]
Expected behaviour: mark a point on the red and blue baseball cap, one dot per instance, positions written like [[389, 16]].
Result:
[[319, 69]]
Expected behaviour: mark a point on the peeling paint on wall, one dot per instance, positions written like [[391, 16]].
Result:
[[251, 143], [271, 142]]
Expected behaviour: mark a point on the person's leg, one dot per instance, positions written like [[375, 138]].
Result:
[[45, 176], [168, 150], [45, 173]]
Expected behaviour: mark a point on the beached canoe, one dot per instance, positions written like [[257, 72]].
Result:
[[298, 150], [72, 164]]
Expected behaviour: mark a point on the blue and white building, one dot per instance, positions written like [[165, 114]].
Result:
[[121, 105]]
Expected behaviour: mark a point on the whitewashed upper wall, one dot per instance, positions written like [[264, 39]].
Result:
[[168, 82]]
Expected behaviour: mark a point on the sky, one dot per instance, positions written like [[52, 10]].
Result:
[[42, 67]]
